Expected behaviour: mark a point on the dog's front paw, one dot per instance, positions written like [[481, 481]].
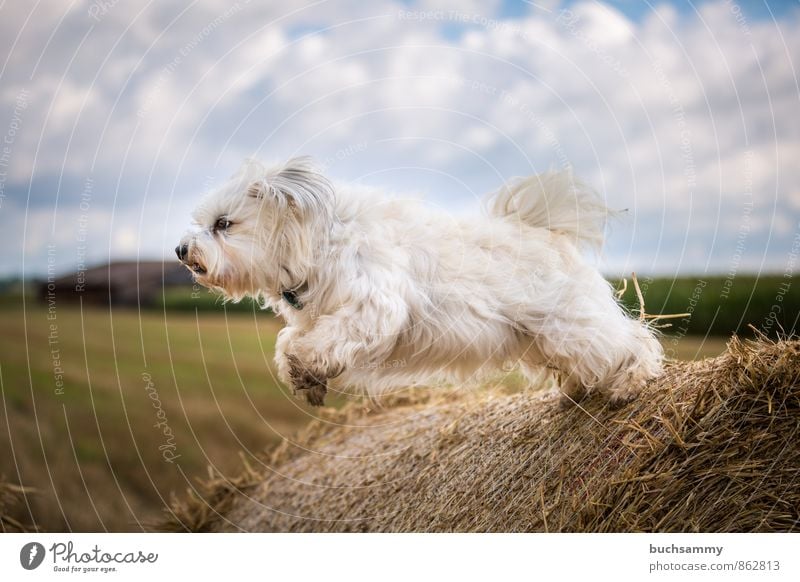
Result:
[[313, 386]]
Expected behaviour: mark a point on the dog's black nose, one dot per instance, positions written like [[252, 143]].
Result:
[[182, 251]]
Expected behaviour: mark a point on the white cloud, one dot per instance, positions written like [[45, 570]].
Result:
[[669, 115]]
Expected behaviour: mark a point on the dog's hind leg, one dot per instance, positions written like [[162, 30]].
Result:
[[617, 361]]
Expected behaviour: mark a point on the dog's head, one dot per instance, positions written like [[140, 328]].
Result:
[[262, 231]]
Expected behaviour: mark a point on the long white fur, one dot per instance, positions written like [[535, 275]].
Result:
[[394, 293]]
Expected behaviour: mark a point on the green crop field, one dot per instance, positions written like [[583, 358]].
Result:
[[107, 413], [721, 306]]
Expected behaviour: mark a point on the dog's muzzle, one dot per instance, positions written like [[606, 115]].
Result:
[[182, 251]]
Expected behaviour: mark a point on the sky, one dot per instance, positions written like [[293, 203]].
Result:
[[117, 116]]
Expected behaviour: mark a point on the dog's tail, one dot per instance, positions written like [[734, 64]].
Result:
[[554, 200]]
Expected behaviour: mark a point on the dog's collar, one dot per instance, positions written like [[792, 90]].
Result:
[[290, 296]]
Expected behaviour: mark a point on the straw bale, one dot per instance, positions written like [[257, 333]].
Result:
[[710, 446]]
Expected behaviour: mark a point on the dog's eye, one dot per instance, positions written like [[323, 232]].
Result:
[[222, 224]]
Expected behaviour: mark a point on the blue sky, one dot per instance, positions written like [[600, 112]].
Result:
[[117, 116]]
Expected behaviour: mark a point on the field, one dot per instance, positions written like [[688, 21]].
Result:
[[721, 306], [107, 413]]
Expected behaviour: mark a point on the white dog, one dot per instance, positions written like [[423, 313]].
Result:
[[380, 293]]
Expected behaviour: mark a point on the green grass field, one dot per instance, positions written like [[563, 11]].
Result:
[[107, 413]]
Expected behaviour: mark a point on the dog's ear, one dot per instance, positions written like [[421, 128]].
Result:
[[298, 186]]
